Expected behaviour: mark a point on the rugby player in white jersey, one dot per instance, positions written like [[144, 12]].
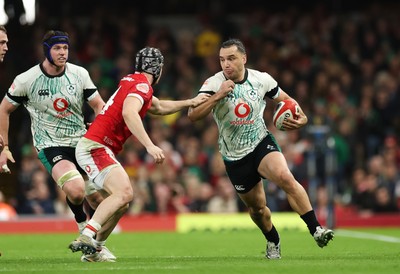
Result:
[[54, 93], [249, 150]]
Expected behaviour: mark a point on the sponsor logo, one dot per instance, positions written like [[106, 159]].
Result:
[[239, 187], [60, 104], [63, 115], [242, 110], [57, 158], [238, 122], [108, 141], [44, 92], [270, 147], [144, 88]]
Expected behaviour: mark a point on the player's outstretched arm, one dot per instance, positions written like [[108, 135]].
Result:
[[165, 107]]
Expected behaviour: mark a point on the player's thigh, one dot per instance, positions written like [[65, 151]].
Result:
[[117, 181], [274, 168], [255, 198], [68, 178]]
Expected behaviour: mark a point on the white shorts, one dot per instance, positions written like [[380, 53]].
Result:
[[90, 188], [96, 160]]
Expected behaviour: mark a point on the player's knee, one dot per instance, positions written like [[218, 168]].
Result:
[[125, 195], [76, 196], [287, 181], [259, 212], [73, 186]]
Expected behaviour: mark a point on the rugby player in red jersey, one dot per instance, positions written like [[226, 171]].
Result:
[[120, 118]]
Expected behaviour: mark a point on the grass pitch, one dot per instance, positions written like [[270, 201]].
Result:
[[364, 251]]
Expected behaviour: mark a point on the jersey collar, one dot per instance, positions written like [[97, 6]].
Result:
[[52, 76], [246, 74]]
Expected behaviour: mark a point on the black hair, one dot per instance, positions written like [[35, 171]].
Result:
[[234, 42]]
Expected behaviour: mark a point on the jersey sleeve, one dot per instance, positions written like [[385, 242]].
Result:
[[17, 93], [140, 90], [89, 89], [210, 86], [271, 86]]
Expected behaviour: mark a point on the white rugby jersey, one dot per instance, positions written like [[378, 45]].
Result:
[[54, 103], [239, 115]]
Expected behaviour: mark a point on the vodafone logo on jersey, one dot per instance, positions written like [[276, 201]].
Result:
[[242, 110], [60, 104]]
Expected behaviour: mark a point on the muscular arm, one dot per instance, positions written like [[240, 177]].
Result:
[[282, 96], [165, 107], [201, 111], [130, 112], [6, 108], [96, 104]]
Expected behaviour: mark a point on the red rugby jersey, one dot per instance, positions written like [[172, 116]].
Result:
[[109, 128]]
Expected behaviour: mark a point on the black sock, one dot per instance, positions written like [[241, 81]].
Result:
[[272, 235], [311, 220], [79, 214]]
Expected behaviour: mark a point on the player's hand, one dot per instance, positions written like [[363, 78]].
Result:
[[290, 124], [199, 99], [226, 88], [4, 157], [157, 153]]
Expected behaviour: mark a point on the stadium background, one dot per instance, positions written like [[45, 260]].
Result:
[[340, 60]]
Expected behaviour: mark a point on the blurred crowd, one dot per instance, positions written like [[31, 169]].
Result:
[[343, 67]]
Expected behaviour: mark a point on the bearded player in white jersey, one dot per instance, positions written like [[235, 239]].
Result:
[[54, 92], [249, 150]]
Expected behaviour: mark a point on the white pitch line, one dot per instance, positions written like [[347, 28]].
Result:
[[364, 235]]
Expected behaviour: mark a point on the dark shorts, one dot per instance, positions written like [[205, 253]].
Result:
[[243, 173], [52, 155]]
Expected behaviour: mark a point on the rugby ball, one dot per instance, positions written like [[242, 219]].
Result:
[[285, 109]]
